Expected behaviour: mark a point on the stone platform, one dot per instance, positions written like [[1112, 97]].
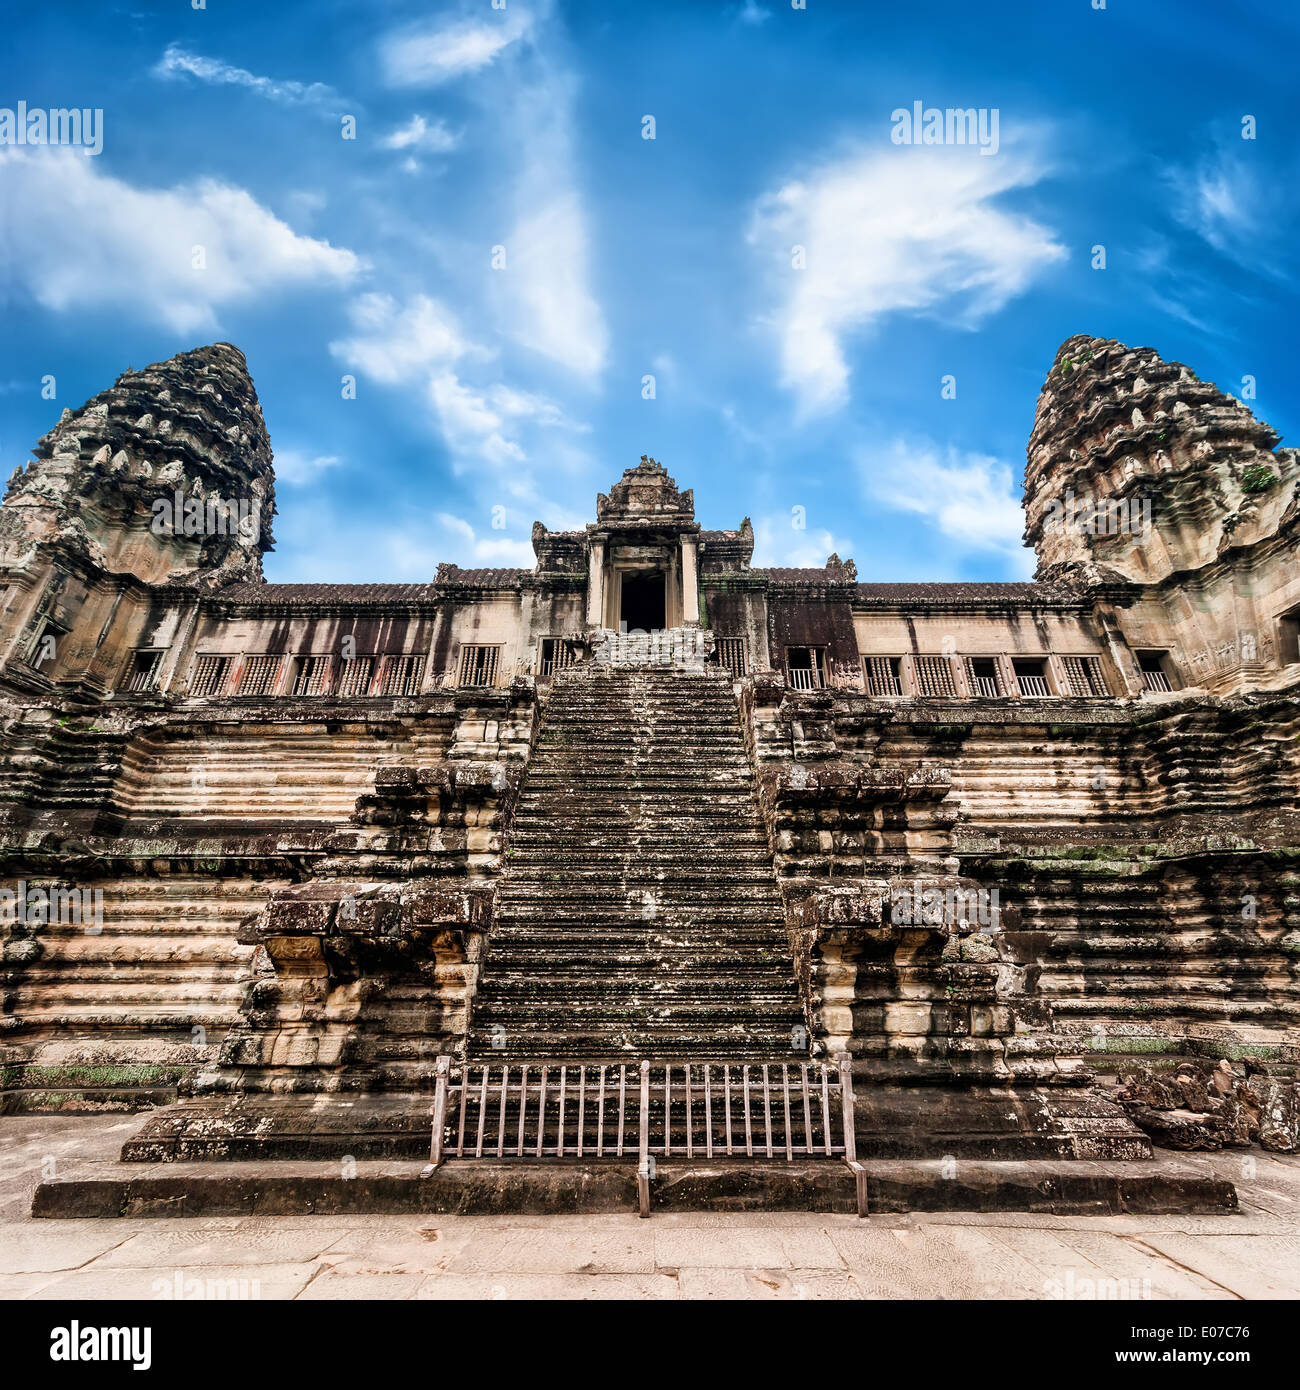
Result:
[[1252, 1253], [376, 1187], [916, 1123], [307, 1155]]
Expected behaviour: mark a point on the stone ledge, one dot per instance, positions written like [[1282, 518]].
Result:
[[468, 1186]]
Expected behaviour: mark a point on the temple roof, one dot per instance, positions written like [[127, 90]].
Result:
[[480, 578], [449, 577], [1026, 593], [308, 594], [885, 595], [820, 574]]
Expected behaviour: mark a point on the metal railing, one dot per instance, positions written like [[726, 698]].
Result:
[[607, 1110]]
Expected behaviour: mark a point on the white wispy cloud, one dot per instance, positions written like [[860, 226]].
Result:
[[1174, 287], [296, 467], [431, 54], [306, 204], [472, 425], [486, 549], [527, 405], [328, 539], [1245, 211], [778, 541], [897, 230], [420, 344], [409, 552], [1219, 199], [540, 299], [664, 366], [397, 343], [100, 242], [418, 134], [971, 498], [542, 296], [553, 311], [489, 423], [178, 63], [738, 426]]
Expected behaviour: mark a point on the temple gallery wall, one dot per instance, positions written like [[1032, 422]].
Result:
[[994, 841]]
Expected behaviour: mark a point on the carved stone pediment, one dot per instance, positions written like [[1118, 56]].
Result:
[[645, 494]]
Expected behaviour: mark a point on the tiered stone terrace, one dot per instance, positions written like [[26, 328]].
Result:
[[474, 817]]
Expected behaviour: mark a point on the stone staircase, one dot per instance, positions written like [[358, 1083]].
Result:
[[639, 913]]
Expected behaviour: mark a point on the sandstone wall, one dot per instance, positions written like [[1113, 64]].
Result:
[[1143, 858], [186, 827]]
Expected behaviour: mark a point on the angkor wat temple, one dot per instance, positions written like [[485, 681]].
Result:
[[272, 850]]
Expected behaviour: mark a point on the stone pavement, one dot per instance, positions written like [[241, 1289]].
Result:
[[1254, 1254]]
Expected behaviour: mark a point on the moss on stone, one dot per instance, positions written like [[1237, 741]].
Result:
[[95, 1076]]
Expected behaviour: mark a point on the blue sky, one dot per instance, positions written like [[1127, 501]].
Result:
[[489, 396]]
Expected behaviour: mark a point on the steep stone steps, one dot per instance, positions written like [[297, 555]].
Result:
[[646, 785], [575, 983], [632, 882], [593, 724], [644, 1039], [590, 833], [663, 791], [603, 859], [636, 1010], [639, 913], [710, 824], [600, 974], [645, 858], [538, 915], [629, 936], [629, 893]]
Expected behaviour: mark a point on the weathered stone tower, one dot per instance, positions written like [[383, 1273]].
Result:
[[1169, 502], [164, 480]]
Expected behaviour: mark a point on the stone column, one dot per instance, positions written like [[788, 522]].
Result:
[[596, 585], [690, 583]]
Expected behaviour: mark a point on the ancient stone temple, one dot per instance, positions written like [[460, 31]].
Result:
[[273, 850]]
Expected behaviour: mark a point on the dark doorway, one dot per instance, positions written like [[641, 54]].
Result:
[[1291, 638], [643, 602]]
